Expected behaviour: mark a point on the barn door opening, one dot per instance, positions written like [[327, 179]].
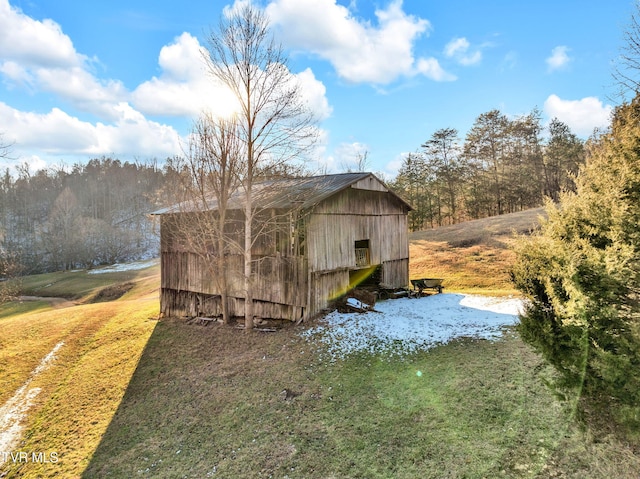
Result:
[[369, 277]]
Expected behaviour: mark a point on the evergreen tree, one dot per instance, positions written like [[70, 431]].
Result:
[[581, 272]]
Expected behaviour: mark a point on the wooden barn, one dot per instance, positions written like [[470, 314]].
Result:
[[317, 237]]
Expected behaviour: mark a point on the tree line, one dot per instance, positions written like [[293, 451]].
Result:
[[502, 166], [81, 216]]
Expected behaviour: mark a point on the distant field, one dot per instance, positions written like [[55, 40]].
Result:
[[482, 229], [471, 257]]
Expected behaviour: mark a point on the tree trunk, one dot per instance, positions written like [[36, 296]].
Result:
[[222, 274], [248, 298]]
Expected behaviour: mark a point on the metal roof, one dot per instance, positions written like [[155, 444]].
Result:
[[288, 193]]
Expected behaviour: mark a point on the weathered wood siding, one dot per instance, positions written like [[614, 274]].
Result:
[[353, 215], [191, 304], [395, 274], [276, 279], [326, 287]]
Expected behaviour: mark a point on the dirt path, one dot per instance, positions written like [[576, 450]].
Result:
[[57, 303], [14, 411]]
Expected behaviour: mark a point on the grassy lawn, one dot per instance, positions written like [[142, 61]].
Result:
[[80, 285], [129, 396], [217, 409], [81, 391]]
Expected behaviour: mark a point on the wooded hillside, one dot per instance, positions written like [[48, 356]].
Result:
[[64, 218]]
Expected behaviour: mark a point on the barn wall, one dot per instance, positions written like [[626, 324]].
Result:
[[335, 225], [395, 274], [279, 280], [325, 287], [191, 304], [289, 286]]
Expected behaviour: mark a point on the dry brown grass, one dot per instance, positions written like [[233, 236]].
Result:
[[474, 256]]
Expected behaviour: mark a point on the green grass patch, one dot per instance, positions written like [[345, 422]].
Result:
[[16, 308], [79, 284], [132, 397]]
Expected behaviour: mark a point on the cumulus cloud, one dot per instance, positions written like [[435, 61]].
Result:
[[38, 56], [559, 58], [460, 50], [82, 89], [582, 116], [314, 93], [358, 50], [58, 132], [184, 88], [33, 42]]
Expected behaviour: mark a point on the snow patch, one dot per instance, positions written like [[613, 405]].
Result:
[[117, 268], [14, 411], [403, 326]]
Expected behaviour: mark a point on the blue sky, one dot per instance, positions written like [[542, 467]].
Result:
[[80, 80]]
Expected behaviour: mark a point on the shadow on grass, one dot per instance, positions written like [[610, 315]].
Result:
[[194, 399]]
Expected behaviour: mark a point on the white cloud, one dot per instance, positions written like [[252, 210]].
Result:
[[359, 51], [559, 58], [39, 56], [134, 134], [183, 88], [33, 42], [183, 59], [238, 5], [430, 68], [82, 89], [314, 92], [459, 49], [58, 132], [582, 116]]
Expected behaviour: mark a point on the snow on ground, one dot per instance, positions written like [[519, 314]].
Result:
[[14, 411], [403, 326], [116, 268]]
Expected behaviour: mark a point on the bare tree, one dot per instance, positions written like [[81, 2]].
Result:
[[359, 163], [274, 124], [626, 71], [5, 148], [10, 270], [60, 232], [213, 160]]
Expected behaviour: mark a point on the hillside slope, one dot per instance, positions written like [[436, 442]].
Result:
[[473, 256]]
